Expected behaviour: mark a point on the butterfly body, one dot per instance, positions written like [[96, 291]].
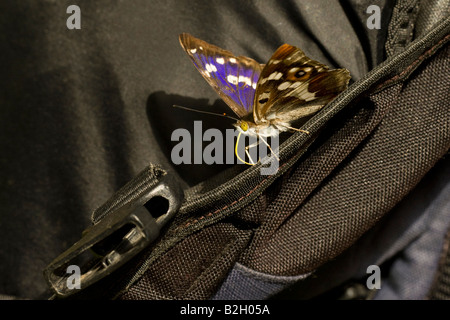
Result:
[[264, 129], [267, 98]]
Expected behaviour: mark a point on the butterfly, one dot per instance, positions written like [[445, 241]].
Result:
[[266, 98]]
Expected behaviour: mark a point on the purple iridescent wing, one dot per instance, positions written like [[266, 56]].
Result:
[[233, 78]]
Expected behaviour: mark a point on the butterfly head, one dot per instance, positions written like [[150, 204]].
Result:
[[250, 128], [244, 125], [247, 127]]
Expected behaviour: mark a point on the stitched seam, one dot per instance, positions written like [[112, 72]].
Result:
[[225, 207], [412, 65]]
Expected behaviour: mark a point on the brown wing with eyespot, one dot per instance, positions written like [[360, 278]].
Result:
[[293, 86]]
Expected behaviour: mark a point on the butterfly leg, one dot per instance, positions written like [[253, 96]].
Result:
[[252, 145], [295, 129], [260, 139], [248, 155], [268, 146], [246, 152]]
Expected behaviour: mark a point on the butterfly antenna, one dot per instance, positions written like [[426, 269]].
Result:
[[207, 112]]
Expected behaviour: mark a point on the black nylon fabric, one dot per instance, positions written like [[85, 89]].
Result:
[[420, 216], [401, 29]]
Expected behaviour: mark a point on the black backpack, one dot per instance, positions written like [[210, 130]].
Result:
[[358, 209]]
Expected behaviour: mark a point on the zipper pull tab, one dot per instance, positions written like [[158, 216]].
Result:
[[122, 233]]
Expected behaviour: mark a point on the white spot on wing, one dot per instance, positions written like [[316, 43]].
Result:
[[307, 96], [301, 92], [232, 60], [284, 85], [232, 79], [210, 67], [220, 60], [295, 85], [193, 50], [246, 80], [263, 95], [275, 75]]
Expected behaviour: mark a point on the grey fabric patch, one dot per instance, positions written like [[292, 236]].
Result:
[[412, 273], [245, 283]]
